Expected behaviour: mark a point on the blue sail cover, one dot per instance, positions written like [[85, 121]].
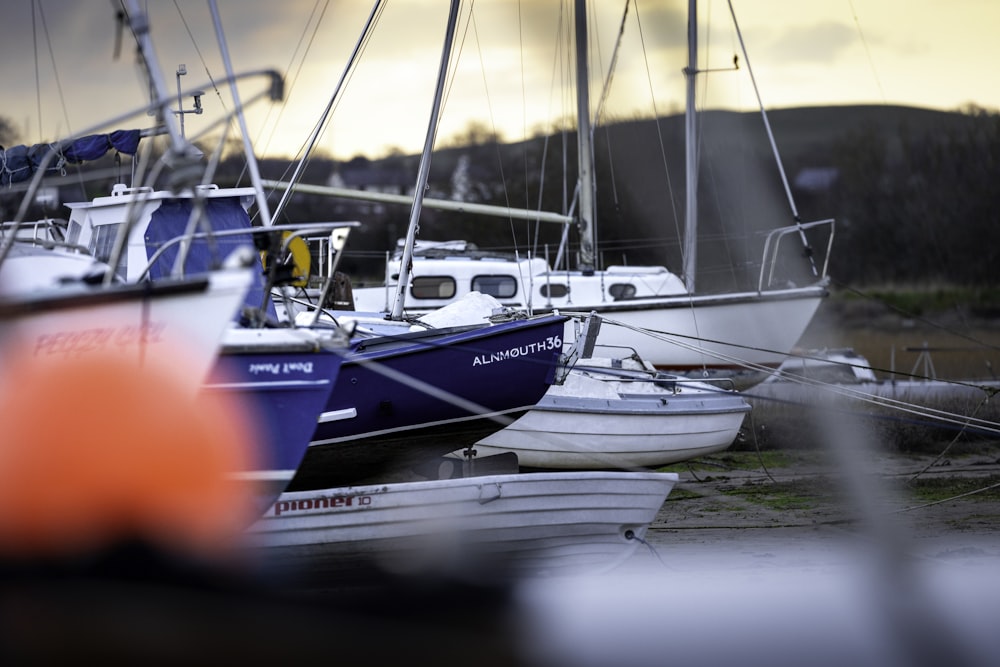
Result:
[[170, 221], [19, 163]]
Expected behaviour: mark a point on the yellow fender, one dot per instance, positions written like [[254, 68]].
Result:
[[301, 260]]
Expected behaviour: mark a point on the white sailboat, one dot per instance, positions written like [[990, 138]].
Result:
[[691, 330]]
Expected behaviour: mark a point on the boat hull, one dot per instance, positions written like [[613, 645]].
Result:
[[579, 434], [814, 375], [725, 332], [497, 526], [668, 327], [180, 320], [402, 400], [280, 386]]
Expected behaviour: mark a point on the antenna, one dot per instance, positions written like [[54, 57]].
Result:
[[180, 111]]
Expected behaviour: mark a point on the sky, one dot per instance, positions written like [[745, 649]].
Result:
[[61, 74]]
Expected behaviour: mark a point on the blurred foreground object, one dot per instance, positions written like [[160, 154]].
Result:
[[101, 448]]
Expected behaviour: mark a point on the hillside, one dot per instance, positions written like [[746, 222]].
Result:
[[912, 191]]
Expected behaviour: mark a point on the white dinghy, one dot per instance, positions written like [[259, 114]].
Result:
[[621, 414], [489, 527]]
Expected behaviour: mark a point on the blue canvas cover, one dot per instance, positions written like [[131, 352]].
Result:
[[170, 221], [19, 163]]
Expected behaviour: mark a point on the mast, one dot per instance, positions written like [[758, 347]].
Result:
[[406, 262], [585, 154], [139, 23], [690, 254], [262, 207]]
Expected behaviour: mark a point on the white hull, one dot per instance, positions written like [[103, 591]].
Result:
[[519, 524], [617, 414], [725, 331], [574, 440], [185, 325]]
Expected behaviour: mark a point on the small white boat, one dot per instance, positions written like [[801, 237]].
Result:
[[620, 413], [494, 526]]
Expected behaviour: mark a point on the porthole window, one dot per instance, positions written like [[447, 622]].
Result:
[[553, 291], [620, 291], [433, 287], [500, 287]]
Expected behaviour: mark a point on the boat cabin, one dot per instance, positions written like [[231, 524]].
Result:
[[445, 272]]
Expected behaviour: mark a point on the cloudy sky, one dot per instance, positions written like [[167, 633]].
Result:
[[61, 76]]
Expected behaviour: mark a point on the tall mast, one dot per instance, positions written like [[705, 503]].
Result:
[[690, 255], [406, 263], [585, 155], [139, 23]]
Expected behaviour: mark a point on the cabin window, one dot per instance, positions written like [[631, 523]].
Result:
[[620, 291], [433, 287], [500, 287], [553, 291], [103, 242], [73, 235]]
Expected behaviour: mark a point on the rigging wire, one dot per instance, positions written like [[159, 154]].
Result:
[[77, 171], [868, 53], [774, 146], [985, 426], [659, 128], [916, 317], [607, 130], [324, 119], [948, 447], [38, 79], [554, 76], [473, 25], [218, 93], [315, 21], [741, 153], [55, 73]]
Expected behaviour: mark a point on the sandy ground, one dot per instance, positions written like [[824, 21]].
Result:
[[822, 579], [838, 510]]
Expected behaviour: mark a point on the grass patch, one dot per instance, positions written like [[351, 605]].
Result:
[[934, 489], [738, 460], [781, 496], [921, 300], [683, 494]]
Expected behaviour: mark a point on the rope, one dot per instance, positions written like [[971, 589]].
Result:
[[946, 500], [630, 535], [988, 427], [948, 447]]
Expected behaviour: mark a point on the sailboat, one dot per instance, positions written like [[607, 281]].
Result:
[[159, 276], [650, 309]]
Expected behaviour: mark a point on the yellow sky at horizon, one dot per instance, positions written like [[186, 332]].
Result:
[[824, 52]]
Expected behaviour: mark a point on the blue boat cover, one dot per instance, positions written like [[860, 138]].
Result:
[[170, 221], [19, 163]]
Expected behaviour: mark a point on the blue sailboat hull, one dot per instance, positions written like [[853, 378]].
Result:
[[282, 395], [403, 400]]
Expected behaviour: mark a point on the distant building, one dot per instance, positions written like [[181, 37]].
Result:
[[816, 179], [367, 176]]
